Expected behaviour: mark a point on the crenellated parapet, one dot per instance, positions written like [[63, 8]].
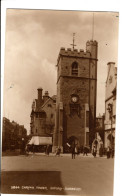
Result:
[[69, 52], [91, 42], [91, 51], [92, 47], [75, 52]]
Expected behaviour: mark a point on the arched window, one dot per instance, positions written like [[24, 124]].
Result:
[[75, 69]]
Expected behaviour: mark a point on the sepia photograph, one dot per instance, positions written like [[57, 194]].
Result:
[[59, 102]]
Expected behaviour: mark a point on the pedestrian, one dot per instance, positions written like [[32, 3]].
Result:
[[27, 150], [47, 150], [108, 152], [94, 151], [58, 151], [44, 148], [33, 149], [85, 151], [68, 147], [101, 151], [112, 152], [73, 148], [81, 149], [76, 150]]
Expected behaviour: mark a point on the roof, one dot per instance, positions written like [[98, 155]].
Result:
[[114, 90], [50, 98], [54, 97]]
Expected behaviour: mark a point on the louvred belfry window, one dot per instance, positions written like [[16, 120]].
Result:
[[75, 69]]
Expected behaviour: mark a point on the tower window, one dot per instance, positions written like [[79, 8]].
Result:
[[75, 69]]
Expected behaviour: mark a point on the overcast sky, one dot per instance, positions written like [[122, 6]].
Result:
[[33, 39]]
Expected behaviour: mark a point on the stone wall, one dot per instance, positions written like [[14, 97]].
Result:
[[39, 126]]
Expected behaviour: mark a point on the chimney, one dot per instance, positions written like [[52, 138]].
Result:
[[110, 64], [46, 96], [40, 94]]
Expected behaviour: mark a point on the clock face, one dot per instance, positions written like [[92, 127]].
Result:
[[74, 99]]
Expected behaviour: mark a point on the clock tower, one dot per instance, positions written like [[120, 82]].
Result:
[[76, 96]]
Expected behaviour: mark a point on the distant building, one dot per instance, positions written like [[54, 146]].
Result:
[[12, 134], [100, 121], [43, 115], [99, 132], [7, 129], [110, 105], [100, 127]]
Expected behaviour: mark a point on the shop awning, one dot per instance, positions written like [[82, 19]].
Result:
[[37, 140]]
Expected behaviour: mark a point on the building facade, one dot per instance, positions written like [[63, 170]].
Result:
[[43, 115], [98, 142], [100, 126], [12, 135], [76, 96], [110, 105]]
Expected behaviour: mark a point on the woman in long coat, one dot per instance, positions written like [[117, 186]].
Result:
[[94, 151]]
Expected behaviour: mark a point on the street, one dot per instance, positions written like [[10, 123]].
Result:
[[40, 174]]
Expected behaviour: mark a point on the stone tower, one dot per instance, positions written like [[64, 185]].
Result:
[[76, 96]]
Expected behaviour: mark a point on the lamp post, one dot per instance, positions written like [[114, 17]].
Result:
[[110, 110]]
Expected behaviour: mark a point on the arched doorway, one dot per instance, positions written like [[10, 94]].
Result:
[[97, 143]]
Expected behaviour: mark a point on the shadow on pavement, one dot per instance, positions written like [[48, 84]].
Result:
[[32, 182], [10, 153]]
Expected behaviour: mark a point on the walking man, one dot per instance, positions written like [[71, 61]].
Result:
[[85, 151], [47, 150], [73, 151]]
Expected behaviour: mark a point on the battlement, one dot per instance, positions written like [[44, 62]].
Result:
[[91, 42], [91, 51], [74, 53]]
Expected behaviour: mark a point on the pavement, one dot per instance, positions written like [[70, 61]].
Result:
[[52, 175], [66, 155]]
